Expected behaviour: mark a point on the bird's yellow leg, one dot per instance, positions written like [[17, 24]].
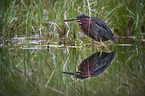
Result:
[[101, 43], [100, 46]]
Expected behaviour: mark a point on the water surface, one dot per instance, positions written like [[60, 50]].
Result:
[[31, 67]]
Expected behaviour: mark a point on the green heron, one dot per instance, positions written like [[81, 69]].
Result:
[[93, 65], [94, 28]]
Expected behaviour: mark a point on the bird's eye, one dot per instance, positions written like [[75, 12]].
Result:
[[78, 18]]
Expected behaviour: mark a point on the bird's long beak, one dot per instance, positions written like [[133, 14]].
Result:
[[68, 73], [72, 19]]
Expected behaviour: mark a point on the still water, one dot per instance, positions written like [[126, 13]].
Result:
[[31, 68]]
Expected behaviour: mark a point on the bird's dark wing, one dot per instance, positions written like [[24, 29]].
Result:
[[101, 23], [103, 29]]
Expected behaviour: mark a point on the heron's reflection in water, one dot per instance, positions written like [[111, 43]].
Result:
[[93, 65]]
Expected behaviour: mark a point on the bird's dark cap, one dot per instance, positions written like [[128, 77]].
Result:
[[77, 18]]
